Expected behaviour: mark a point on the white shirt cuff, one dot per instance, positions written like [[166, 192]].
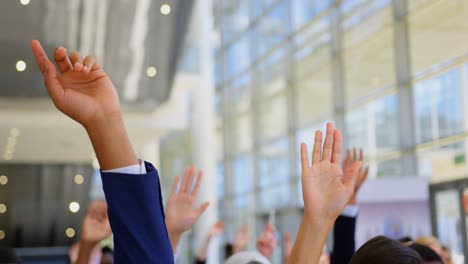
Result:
[[132, 169], [350, 211]]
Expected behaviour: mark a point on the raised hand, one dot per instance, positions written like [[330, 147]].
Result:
[[287, 247], [351, 158], [82, 91], [181, 213], [216, 229], [242, 239], [326, 189], [96, 225], [266, 243]]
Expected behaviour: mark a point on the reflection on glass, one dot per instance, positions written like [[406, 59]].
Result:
[[444, 21], [242, 180], [235, 18], [438, 106], [273, 117], [237, 57], [369, 43], [274, 163], [449, 221], [305, 10], [443, 162]]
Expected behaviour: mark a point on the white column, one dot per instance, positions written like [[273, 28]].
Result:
[[203, 126]]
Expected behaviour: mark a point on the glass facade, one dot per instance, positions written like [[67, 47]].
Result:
[[285, 68]]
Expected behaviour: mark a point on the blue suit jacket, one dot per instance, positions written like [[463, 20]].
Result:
[[136, 215]]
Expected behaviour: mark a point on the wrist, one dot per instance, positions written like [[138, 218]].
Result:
[[174, 237], [87, 243]]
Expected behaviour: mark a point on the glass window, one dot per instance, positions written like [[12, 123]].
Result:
[[442, 163], [274, 196], [242, 137], [305, 10], [235, 18], [237, 57], [239, 94], [272, 73], [274, 163], [261, 6], [438, 32], [368, 51], [244, 203], [273, 117], [389, 168], [374, 127], [220, 179], [439, 111], [242, 174], [271, 29]]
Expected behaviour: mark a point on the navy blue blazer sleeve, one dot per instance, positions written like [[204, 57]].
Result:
[[136, 215], [343, 240]]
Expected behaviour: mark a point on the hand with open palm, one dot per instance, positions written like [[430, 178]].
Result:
[[352, 157], [326, 189], [181, 213], [96, 226], [82, 90]]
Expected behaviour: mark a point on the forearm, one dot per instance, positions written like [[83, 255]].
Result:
[[111, 143], [84, 254], [174, 238], [310, 240], [202, 255]]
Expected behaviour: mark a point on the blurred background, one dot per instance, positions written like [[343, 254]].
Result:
[[234, 86]]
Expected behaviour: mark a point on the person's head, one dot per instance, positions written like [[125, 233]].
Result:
[[247, 257], [431, 242], [229, 250], [107, 256], [383, 250], [8, 255], [428, 255]]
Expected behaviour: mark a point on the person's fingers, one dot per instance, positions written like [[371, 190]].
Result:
[[317, 151], [337, 145], [76, 61], [348, 154], [304, 157], [202, 208], [174, 186], [351, 176], [184, 187], [190, 179], [328, 145], [88, 64], [54, 88], [61, 58], [196, 188], [355, 158], [361, 155]]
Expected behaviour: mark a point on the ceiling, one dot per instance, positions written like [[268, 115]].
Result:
[[126, 37]]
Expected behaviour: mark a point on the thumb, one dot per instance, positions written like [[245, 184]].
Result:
[[202, 208], [351, 175]]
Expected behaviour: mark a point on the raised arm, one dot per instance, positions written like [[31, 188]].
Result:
[[215, 230], [181, 213], [95, 228], [84, 92], [326, 191]]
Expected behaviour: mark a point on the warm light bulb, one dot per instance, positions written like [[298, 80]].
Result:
[[79, 179], [3, 180], [70, 232], [25, 2], [20, 66], [165, 9], [151, 71], [74, 207]]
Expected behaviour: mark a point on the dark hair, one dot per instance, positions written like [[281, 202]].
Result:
[[229, 250], [8, 255], [382, 250], [427, 254], [405, 239], [107, 249]]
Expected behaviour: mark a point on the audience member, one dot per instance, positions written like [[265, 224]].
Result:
[[428, 255], [215, 230]]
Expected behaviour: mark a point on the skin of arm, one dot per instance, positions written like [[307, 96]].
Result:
[[215, 230], [181, 213], [326, 191], [96, 227]]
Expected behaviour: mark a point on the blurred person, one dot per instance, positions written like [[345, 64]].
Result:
[[265, 244], [181, 212], [384, 250], [428, 255], [326, 191], [431, 242], [83, 91], [215, 230], [447, 255], [8, 255], [95, 228], [107, 255], [242, 239]]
